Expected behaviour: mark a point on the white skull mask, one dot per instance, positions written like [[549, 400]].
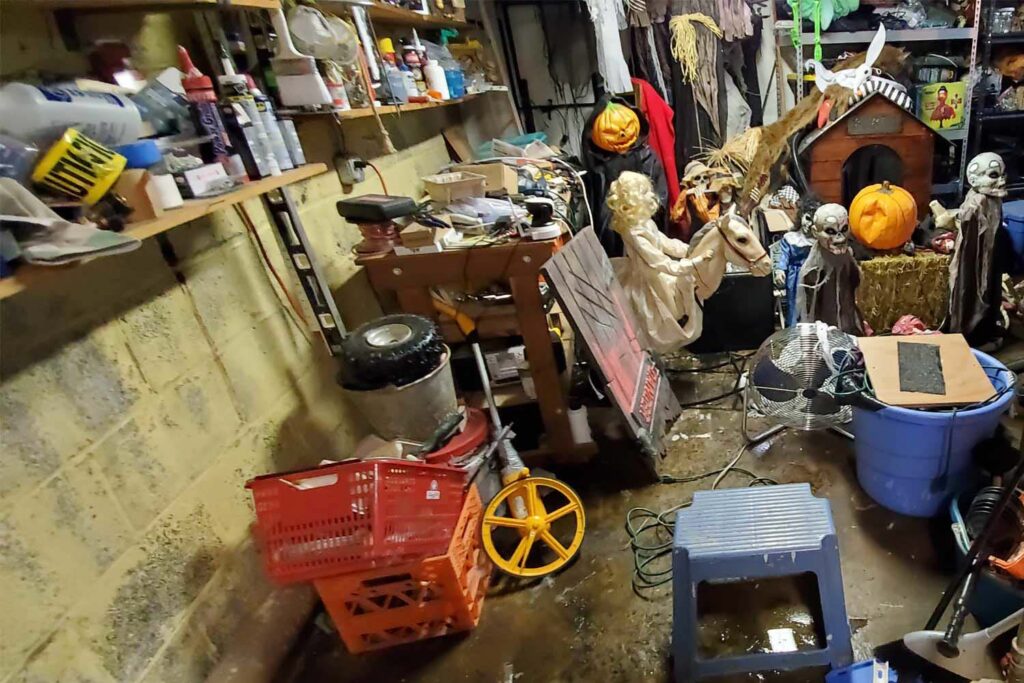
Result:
[[986, 174], [832, 228]]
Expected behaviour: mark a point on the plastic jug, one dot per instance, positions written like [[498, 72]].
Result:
[[40, 114]]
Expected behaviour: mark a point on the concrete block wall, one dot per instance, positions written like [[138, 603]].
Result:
[[137, 398]]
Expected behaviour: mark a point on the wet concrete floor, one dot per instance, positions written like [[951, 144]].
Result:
[[587, 624]]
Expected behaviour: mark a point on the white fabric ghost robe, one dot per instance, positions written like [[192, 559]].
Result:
[[659, 283]]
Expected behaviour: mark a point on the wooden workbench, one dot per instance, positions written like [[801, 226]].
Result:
[[515, 265]]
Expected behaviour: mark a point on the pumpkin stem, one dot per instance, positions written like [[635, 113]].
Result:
[[886, 186]]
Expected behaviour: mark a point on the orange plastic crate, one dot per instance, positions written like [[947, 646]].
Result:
[[378, 608]]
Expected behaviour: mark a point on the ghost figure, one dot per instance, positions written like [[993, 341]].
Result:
[[828, 281], [974, 289], [792, 252], [655, 272]]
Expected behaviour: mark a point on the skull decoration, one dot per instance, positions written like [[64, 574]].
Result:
[[809, 204], [832, 228], [696, 175], [986, 174]]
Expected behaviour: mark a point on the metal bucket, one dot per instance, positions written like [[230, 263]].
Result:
[[413, 411]]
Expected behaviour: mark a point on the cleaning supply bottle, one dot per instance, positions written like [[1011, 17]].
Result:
[[40, 114], [412, 60], [336, 86], [203, 103], [387, 51], [235, 89], [452, 69], [436, 79], [266, 111]]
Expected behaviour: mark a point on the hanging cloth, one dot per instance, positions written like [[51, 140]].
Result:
[[609, 17], [661, 120], [735, 19], [697, 54]]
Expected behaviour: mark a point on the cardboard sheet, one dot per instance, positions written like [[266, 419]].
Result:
[[965, 380]]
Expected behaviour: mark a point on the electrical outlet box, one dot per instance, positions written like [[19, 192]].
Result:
[[348, 171]]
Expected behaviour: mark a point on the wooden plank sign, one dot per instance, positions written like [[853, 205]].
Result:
[[595, 303]]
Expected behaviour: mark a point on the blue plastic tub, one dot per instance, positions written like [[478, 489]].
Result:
[[1013, 213], [913, 461]]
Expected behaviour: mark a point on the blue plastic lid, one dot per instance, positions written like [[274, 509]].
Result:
[[141, 154], [1014, 210]]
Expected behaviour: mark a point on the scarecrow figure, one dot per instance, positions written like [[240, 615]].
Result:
[[827, 288], [974, 289], [792, 252]]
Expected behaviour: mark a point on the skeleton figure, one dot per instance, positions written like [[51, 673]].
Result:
[[828, 281], [974, 291], [792, 252]]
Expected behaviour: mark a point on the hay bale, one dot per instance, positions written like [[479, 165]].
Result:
[[894, 286]]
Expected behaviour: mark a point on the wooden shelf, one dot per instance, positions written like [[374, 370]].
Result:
[[505, 396], [389, 14], [128, 5], [27, 275], [384, 109]]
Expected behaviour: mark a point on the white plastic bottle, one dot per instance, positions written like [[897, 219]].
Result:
[[40, 114], [436, 79]]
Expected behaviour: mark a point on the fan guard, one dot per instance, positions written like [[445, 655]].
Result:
[[793, 376]]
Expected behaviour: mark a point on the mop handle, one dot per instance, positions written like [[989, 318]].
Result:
[[949, 646]]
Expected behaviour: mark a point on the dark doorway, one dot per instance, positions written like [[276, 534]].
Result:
[[868, 166]]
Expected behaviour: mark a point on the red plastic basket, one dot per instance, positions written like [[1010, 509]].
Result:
[[430, 597], [353, 516]]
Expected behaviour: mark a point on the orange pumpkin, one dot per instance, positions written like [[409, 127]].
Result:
[[883, 216], [616, 129]]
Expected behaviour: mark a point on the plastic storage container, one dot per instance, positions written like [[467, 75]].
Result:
[[1013, 214], [421, 599], [912, 461], [445, 188], [353, 516], [39, 114]]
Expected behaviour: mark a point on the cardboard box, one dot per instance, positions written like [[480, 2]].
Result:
[[499, 176], [445, 188], [941, 105]]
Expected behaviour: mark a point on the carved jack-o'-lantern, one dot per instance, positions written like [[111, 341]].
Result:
[[616, 129], [883, 216]]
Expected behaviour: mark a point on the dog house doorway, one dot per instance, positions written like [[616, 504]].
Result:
[[870, 165]]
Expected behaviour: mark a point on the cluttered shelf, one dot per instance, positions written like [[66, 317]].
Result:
[[389, 14], [389, 109], [28, 276], [1004, 38], [113, 5], [895, 36]]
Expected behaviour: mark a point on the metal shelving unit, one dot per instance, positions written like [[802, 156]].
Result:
[[987, 117], [959, 136]]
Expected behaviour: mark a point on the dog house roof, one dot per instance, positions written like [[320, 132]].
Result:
[[890, 94]]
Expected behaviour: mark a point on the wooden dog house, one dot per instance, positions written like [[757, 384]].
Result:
[[874, 140]]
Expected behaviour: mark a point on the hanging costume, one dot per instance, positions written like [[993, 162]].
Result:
[[793, 250], [609, 18], [603, 167], [661, 119]]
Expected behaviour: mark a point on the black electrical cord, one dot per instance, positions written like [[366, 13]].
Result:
[[651, 532], [738, 363]]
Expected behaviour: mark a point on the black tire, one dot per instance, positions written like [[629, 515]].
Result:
[[395, 349]]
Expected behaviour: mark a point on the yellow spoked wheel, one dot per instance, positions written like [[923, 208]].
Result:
[[535, 542]]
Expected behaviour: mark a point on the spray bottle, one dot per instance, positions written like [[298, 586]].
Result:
[[266, 112], [203, 103], [235, 89]]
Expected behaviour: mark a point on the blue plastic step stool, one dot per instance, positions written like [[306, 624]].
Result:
[[754, 533]]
